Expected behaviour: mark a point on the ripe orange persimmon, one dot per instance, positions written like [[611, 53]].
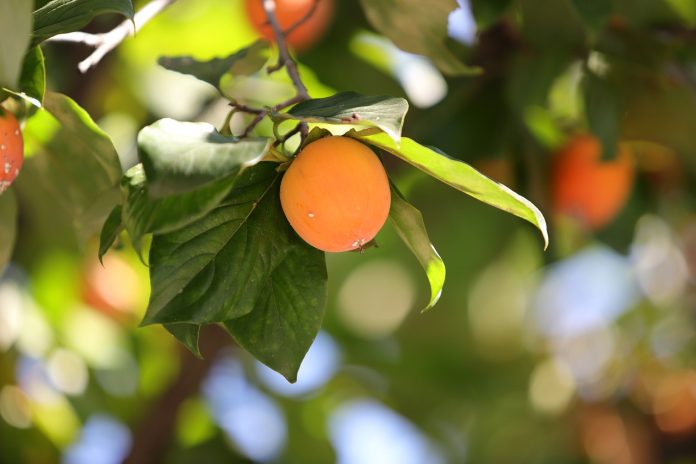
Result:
[[336, 194], [587, 187], [11, 149], [289, 12]]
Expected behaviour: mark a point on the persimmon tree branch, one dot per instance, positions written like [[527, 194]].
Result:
[[107, 41], [285, 60]]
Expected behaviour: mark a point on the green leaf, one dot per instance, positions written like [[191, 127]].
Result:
[[594, 13], [410, 227], [218, 267], [8, 227], [60, 16], [76, 160], [242, 63], [602, 112], [183, 156], [187, 334], [33, 78], [109, 233], [418, 27], [15, 35], [384, 112], [459, 175], [143, 214]]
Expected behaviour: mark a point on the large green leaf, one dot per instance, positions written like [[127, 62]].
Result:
[[59, 16], [383, 112], [460, 176], [8, 226], [76, 160], [142, 214], [244, 62], [215, 268], [182, 156], [410, 226], [243, 265], [419, 27], [15, 35]]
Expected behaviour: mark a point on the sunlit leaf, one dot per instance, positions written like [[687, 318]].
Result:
[[386, 113], [461, 176], [418, 27], [76, 160], [15, 35], [182, 156], [60, 16], [244, 62], [409, 224]]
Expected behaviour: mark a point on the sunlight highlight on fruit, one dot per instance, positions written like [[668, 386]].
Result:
[[336, 194]]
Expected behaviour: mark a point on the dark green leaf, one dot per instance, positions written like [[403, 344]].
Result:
[[109, 233], [602, 112], [244, 62], [460, 176], [418, 27], [15, 35], [60, 16], [33, 79], [76, 161], [182, 156], [289, 311], [409, 224], [219, 267], [143, 214], [594, 12], [187, 334], [8, 226], [386, 113]]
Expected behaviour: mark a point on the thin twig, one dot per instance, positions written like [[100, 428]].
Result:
[[285, 59], [106, 42]]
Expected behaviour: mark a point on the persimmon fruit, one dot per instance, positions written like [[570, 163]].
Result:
[[336, 194], [589, 188], [11, 149], [289, 12]]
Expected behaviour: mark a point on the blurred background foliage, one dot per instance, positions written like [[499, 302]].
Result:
[[582, 353]]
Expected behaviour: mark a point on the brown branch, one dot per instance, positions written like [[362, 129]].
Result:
[[285, 59]]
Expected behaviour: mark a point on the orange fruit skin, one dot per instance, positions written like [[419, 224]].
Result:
[[585, 186], [290, 12], [336, 194], [11, 149]]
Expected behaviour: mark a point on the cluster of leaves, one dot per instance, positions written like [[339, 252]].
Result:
[[23, 26], [203, 204], [222, 251]]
